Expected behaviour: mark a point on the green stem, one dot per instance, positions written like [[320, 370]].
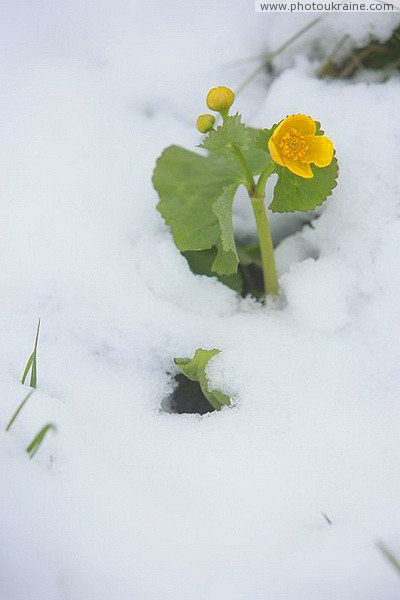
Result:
[[257, 196], [264, 233], [266, 245], [262, 180], [249, 183]]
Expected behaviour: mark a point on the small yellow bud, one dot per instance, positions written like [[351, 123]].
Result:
[[205, 122], [220, 99]]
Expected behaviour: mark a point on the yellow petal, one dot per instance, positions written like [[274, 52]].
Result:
[[274, 152], [299, 168], [301, 123], [319, 151]]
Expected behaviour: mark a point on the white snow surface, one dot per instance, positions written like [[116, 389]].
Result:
[[129, 502]]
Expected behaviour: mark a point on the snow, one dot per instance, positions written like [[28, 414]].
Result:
[[127, 501]]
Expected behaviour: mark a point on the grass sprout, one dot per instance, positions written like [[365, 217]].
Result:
[[20, 407], [38, 439], [31, 365]]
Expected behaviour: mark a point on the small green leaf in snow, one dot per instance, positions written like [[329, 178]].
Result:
[[195, 370]]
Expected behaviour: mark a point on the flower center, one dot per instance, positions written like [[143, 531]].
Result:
[[293, 145]]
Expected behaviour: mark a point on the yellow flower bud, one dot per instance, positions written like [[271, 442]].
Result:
[[205, 122], [220, 99]]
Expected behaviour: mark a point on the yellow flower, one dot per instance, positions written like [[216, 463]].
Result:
[[294, 145], [205, 122], [220, 98]]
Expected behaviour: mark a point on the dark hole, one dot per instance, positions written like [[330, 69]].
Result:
[[253, 281], [187, 397]]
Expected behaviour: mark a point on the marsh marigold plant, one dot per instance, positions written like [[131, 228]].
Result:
[[197, 190]]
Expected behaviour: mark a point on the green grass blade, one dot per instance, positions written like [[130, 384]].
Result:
[[31, 365], [37, 336], [33, 381], [27, 368], [20, 407], [38, 439], [391, 558]]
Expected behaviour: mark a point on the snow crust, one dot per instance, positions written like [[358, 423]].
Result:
[[129, 502]]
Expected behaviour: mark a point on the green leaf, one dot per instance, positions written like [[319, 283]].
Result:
[[195, 370], [225, 262], [196, 196], [250, 254], [188, 185], [255, 156], [293, 193], [232, 131], [263, 136], [200, 262], [227, 259]]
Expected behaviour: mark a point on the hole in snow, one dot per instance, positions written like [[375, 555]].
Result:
[[253, 282], [186, 398]]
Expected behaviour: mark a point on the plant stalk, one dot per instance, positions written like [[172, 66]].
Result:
[[257, 197], [250, 185], [266, 245]]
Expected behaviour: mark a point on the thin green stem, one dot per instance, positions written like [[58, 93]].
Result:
[[272, 55], [257, 195], [262, 180], [250, 184], [264, 233]]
